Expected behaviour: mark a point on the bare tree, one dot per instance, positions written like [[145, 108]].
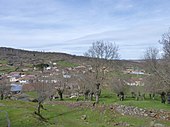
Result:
[[159, 68], [153, 82], [62, 82], [151, 57], [101, 53], [89, 85], [44, 89], [153, 85], [4, 87], [103, 50], [119, 86], [166, 44], [76, 83]]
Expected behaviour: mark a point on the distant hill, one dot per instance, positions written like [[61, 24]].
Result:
[[18, 56]]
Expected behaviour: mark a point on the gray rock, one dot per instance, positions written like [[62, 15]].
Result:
[[2, 104]]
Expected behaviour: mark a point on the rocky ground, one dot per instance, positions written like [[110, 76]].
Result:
[[123, 110]]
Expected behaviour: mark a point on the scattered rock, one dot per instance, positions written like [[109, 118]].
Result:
[[2, 104], [131, 110], [153, 124], [158, 125], [84, 117], [124, 124]]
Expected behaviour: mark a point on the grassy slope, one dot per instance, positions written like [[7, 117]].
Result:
[[66, 64], [4, 68], [22, 114]]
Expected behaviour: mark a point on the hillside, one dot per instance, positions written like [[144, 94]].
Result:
[[18, 56]]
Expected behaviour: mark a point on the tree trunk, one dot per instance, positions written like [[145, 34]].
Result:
[[97, 98], [91, 96], [86, 93], [2, 96], [85, 97], [60, 93], [61, 96], [39, 108], [77, 99]]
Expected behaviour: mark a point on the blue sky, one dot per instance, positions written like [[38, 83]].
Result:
[[71, 26]]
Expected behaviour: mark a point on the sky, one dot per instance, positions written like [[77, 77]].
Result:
[[71, 26]]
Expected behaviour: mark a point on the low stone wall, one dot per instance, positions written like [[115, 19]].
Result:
[[131, 110], [122, 109]]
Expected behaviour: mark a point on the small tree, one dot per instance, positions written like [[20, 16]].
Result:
[[41, 66], [60, 88], [102, 54], [151, 57], [159, 68], [4, 87], [43, 88], [166, 44], [91, 87], [61, 81], [119, 87]]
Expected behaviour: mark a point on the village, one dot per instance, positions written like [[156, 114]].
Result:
[[21, 81]]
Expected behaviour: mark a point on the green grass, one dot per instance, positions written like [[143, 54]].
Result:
[[32, 94], [3, 61], [21, 114], [119, 74], [66, 64], [7, 69], [110, 98], [147, 104]]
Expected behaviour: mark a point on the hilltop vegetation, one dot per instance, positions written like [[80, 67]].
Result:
[[26, 58]]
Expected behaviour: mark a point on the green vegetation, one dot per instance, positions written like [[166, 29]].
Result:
[[4, 68], [28, 65], [32, 94], [147, 104], [119, 74], [3, 61], [109, 97], [66, 64], [22, 114], [7, 69], [41, 66]]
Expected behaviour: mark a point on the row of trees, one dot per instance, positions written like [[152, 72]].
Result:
[[159, 66], [156, 64]]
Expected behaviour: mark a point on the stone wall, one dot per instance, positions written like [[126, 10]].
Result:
[[131, 110]]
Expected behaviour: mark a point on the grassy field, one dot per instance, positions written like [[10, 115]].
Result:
[[21, 114]]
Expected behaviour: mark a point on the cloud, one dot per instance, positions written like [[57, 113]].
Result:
[[71, 26]]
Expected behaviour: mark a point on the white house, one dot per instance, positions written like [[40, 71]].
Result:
[[13, 79]]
